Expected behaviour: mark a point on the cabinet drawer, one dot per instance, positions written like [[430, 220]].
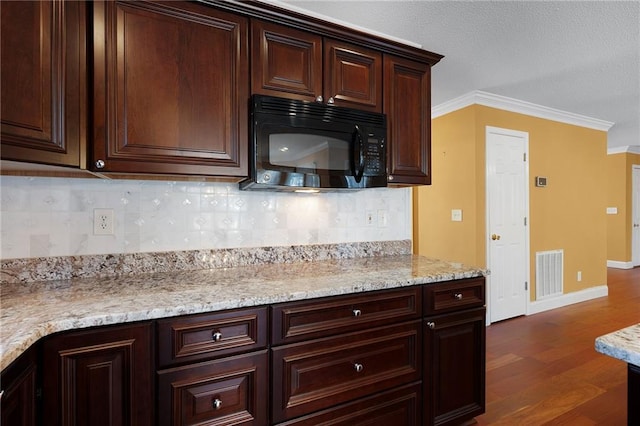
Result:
[[324, 372], [296, 321], [230, 391], [196, 337], [400, 406], [452, 296]]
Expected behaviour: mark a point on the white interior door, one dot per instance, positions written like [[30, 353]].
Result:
[[507, 216], [635, 213]]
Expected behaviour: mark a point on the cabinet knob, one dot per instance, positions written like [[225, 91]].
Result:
[[457, 296], [331, 101], [319, 98], [431, 325], [100, 164], [357, 312], [216, 336], [358, 367], [390, 177], [217, 404]]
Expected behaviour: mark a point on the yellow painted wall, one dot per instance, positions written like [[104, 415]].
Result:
[[453, 165], [569, 214], [619, 186]]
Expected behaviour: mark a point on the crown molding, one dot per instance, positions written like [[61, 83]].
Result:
[[479, 97], [632, 149]]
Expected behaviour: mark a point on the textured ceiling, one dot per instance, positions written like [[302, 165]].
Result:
[[581, 57]]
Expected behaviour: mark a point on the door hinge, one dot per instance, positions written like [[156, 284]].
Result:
[[524, 157], [526, 285], [525, 221]]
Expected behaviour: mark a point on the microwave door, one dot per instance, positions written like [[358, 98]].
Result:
[[357, 158]]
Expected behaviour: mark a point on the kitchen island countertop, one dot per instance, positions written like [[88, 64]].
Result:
[[33, 310], [623, 344]]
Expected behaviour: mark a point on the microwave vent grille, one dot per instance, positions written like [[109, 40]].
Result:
[[281, 106]]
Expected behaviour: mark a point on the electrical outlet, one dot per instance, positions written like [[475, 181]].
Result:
[[369, 218], [103, 222], [579, 276]]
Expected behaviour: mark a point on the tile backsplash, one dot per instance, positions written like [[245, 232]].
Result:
[[42, 217]]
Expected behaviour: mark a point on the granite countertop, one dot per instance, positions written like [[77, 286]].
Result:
[[623, 344], [33, 310]]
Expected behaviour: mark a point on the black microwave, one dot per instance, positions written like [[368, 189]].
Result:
[[309, 146]]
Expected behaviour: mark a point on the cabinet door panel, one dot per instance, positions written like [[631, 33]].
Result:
[[196, 337], [295, 321], [99, 377], [320, 373], [171, 89], [352, 76], [454, 364], [19, 388], [285, 62], [400, 406], [229, 391], [407, 103], [42, 81]]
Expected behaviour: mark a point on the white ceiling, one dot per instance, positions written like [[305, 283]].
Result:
[[581, 57]]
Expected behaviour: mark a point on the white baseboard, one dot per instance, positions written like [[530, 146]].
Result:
[[567, 299], [619, 265]]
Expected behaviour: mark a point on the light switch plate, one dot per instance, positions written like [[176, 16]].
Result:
[[612, 210], [456, 215]]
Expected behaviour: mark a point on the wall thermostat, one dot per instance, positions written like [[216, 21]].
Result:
[[541, 181]]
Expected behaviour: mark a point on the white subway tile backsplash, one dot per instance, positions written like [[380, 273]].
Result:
[[43, 217]]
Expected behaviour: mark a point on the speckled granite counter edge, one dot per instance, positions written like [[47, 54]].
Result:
[[99, 266], [34, 310], [623, 344]]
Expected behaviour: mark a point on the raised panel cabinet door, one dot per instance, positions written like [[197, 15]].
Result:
[[407, 103], [228, 391], [454, 367], [171, 89], [285, 62], [320, 373], [43, 81], [398, 407], [18, 401], [99, 377], [352, 76]]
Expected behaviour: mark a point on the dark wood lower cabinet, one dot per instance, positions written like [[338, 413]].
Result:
[[633, 395], [347, 363], [99, 377], [321, 373], [454, 367], [228, 391], [19, 400], [398, 407]]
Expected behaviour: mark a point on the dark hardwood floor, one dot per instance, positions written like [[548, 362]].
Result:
[[543, 369]]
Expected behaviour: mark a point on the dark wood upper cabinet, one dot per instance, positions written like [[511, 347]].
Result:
[[301, 65], [43, 82], [407, 103], [170, 89]]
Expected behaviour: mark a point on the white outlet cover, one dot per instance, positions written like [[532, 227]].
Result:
[[103, 222], [612, 210], [456, 215]]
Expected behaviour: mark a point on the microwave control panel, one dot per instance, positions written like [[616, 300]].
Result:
[[374, 157]]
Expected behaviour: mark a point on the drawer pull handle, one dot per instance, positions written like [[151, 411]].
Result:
[[217, 404], [458, 296], [357, 312], [431, 325], [358, 367], [216, 336]]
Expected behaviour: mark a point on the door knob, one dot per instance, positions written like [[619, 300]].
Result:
[[495, 237]]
